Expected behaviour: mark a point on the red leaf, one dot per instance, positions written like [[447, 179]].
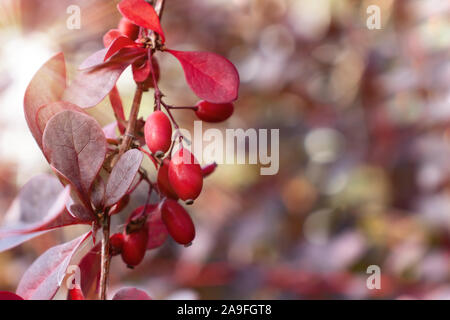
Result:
[[131, 294], [90, 268], [212, 77], [47, 86], [117, 106], [122, 176], [91, 86], [44, 277], [141, 70], [40, 207], [76, 146], [94, 60], [47, 111], [142, 14], [110, 36], [119, 43], [5, 295]]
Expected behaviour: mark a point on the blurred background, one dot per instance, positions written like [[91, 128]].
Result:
[[364, 121]]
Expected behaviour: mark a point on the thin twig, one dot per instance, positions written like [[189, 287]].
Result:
[[106, 258]]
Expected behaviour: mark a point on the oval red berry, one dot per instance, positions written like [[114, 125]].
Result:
[[163, 181], [185, 175], [134, 247], [158, 133], [178, 222], [116, 243], [213, 112]]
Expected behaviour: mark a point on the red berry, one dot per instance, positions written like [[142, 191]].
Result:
[[157, 231], [76, 294], [212, 112], [209, 169], [185, 175], [178, 222], [134, 247], [158, 133], [163, 181], [142, 74], [116, 243], [129, 29]]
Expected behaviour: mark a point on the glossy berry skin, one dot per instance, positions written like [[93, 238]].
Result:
[[143, 76], [134, 247], [116, 243], [76, 294], [213, 112], [163, 181], [209, 169], [158, 133], [129, 29], [185, 175], [178, 222]]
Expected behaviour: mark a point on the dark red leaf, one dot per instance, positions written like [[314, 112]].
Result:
[[90, 268], [47, 86], [141, 70], [44, 277], [76, 147], [122, 176], [110, 36], [212, 77], [119, 43], [117, 106], [98, 193], [131, 294], [142, 14], [91, 86], [5, 295], [47, 111]]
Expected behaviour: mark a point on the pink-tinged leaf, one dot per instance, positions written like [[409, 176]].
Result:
[[110, 36], [47, 86], [40, 207], [98, 193], [90, 268], [91, 86], [142, 14], [5, 295], [44, 277], [47, 111], [122, 176], [212, 77], [11, 240], [95, 59], [119, 43], [131, 294], [76, 146], [110, 130], [117, 106], [157, 231]]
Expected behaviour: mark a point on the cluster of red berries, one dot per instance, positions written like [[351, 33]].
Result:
[[180, 177]]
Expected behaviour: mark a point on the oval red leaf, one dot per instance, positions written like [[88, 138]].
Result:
[[118, 43], [47, 86], [44, 277], [76, 146], [142, 14], [212, 77], [122, 176]]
